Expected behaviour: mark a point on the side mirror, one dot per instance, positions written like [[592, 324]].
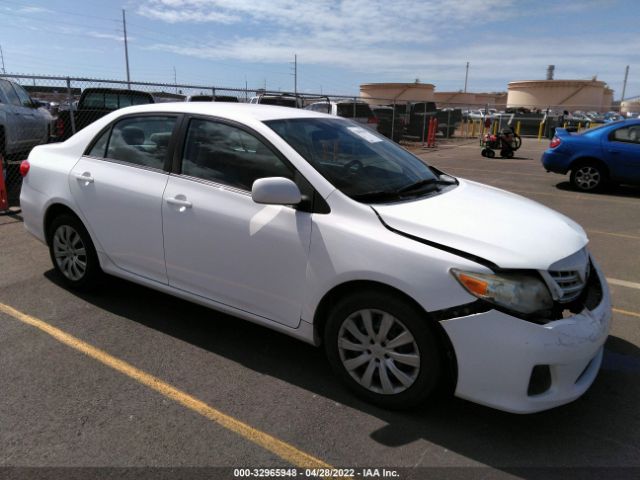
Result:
[[276, 191]]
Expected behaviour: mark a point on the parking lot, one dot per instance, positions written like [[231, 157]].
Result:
[[131, 377]]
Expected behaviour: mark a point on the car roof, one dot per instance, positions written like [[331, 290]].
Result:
[[242, 112]]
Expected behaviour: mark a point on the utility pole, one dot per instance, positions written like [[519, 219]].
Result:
[[295, 74], [624, 84], [2, 57], [126, 48], [466, 77], [175, 78]]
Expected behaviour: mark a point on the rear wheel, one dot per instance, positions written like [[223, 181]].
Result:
[[72, 252], [491, 153], [383, 349], [588, 177]]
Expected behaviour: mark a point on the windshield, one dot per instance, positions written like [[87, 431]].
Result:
[[359, 162]]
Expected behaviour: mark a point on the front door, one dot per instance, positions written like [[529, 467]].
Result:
[[623, 150], [221, 245], [118, 186]]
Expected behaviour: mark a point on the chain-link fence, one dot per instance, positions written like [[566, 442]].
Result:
[[41, 109]]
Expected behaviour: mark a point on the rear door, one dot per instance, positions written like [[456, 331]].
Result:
[[118, 186], [622, 148]]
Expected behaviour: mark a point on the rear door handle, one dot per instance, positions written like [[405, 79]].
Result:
[[84, 177], [180, 202]]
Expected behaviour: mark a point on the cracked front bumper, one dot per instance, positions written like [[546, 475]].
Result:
[[496, 354]]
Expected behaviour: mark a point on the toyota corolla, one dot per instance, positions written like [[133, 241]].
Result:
[[316, 227]]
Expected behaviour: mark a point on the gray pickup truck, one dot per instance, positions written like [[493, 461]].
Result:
[[22, 124]]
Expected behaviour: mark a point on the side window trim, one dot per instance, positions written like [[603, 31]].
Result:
[[177, 129]]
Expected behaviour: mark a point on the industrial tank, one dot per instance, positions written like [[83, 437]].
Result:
[[387, 93], [557, 94]]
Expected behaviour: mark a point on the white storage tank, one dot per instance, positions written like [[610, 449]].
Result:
[[557, 94], [387, 93]]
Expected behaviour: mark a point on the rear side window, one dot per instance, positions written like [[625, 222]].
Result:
[[359, 110], [627, 134], [141, 141], [225, 154], [100, 146]]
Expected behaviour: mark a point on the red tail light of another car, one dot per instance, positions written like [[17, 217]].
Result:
[[24, 168], [555, 141]]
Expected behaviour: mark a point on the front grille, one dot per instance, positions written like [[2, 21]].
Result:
[[568, 277], [570, 283]]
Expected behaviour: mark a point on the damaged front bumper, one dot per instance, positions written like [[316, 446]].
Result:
[[519, 366]]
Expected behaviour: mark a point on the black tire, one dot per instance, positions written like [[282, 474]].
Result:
[[491, 153], [79, 237], [483, 152], [426, 372], [588, 176], [517, 141]]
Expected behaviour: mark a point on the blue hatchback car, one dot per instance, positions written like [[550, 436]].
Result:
[[595, 157]]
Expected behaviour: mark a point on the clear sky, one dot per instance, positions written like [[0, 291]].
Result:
[[339, 44]]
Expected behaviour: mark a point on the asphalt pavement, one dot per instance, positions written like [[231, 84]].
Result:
[[129, 377]]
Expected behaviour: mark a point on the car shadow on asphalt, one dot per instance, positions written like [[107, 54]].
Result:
[[626, 191], [600, 429]]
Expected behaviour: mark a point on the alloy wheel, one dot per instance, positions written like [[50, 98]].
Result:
[[587, 177], [69, 252]]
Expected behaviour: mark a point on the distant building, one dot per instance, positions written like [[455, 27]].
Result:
[[497, 100], [630, 105]]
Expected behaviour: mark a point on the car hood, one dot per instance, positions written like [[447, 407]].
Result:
[[504, 228]]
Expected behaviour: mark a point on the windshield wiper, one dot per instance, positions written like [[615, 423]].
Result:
[[424, 182], [379, 195]]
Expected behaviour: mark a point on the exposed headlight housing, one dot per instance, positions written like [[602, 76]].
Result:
[[519, 292]]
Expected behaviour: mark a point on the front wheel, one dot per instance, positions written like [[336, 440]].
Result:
[[588, 177], [383, 348], [72, 253]]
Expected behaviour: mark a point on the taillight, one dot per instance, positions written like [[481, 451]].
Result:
[[60, 127], [24, 168], [372, 119], [555, 141]]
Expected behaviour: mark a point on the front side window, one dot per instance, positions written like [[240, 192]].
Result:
[[25, 100], [229, 155], [141, 141], [360, 163], [10, 93]]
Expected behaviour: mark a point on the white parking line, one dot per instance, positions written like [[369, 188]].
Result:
[[623, 283]]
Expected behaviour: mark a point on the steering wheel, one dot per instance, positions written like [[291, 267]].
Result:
[[353, 166]]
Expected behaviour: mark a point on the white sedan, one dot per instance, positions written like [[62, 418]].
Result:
[[314, 226]]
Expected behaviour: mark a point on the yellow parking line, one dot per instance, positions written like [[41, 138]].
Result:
[[626, 312], [282, 449]]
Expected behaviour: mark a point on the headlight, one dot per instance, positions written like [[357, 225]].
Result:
[[515, 291]]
